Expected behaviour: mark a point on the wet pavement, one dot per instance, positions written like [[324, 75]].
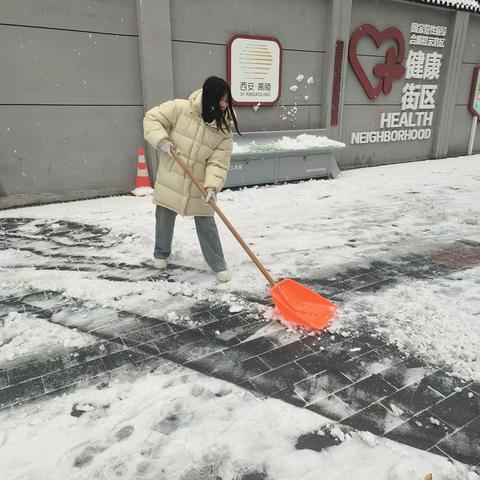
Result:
[[360, 381]]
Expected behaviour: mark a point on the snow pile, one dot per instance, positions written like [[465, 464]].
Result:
[[435, 320], [176, 424], [303, 141], [24, 335], [142, 191]]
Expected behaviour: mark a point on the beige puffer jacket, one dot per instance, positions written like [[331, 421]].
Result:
[[206, 149]]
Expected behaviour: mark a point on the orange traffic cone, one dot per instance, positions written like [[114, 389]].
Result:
[[142, 181]]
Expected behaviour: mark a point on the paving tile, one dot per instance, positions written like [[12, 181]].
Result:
[[318, 362], [172, 342], [361, 344], [232, 330], [63, 378], [3, 379], [227, 368], [475, 387], [322, 342], [221, 311], [241, 333], [363, 366], [290, 396], [365, 392], [437, 269], [321, 385], [156, 332], [21, 392], [361, 281], [463, 444], [219, 326], [375, 418], [357, 271], [445, 384], [37, 368], [250, 348], [391, 354], [286, 354], [410, 258], [254, 366], [438, 451], [422, 431], [207, 364], [124, 357], [192, 351], [279, 379], [97, 350], [331, 407], [405, 373], [458, 409], [383, 266], [414, 398], [455, 261], [376, 287]]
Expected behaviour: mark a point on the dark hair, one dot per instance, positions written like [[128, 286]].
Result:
[[214, 88]]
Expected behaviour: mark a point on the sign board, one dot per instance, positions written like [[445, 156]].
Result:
[[474, 102], [254, 64], [422, 71]]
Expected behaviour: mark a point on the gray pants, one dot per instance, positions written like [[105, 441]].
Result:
[[207, 235]]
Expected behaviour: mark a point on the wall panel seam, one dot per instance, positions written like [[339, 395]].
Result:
[[224, 45], [70, 30]]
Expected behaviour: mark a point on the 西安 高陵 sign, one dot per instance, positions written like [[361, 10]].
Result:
[[254, 64]]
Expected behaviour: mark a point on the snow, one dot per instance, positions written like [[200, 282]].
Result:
[[142, 191], [177, 421], [24, 335], [436, 320], [293, 88], [176, 424], [472, 5], [303, 141]]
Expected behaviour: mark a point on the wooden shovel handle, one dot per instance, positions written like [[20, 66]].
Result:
[[225, 220]]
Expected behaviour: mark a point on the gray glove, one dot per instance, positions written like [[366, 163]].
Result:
[[166, 147], [211, 195]]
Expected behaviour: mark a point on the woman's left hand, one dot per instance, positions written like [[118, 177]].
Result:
[[211, 195]]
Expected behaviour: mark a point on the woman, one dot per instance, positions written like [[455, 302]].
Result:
[[200, 128]]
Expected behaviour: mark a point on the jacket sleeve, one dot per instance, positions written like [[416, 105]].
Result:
[[218, 165], [158, 122]]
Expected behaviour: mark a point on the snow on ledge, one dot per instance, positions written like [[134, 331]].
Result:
[[470, 5], [303, 141]]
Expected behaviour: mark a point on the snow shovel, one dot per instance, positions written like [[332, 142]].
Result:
[[296, 303]]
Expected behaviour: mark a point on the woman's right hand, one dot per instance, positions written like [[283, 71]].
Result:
[[166, 147]]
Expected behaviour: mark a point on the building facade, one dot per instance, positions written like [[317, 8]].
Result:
[[389, 78]]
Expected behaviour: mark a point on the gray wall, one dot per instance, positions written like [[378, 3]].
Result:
[[200, 31], [462, 119], [77, 77], [71, 99]]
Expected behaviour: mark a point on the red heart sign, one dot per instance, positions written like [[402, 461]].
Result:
[[391, 69]]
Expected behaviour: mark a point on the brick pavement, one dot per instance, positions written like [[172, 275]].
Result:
[[359, 381]]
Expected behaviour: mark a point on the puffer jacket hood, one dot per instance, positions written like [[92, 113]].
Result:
[[195, 100]]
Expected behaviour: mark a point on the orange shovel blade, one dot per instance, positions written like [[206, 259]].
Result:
[[298, 304]]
